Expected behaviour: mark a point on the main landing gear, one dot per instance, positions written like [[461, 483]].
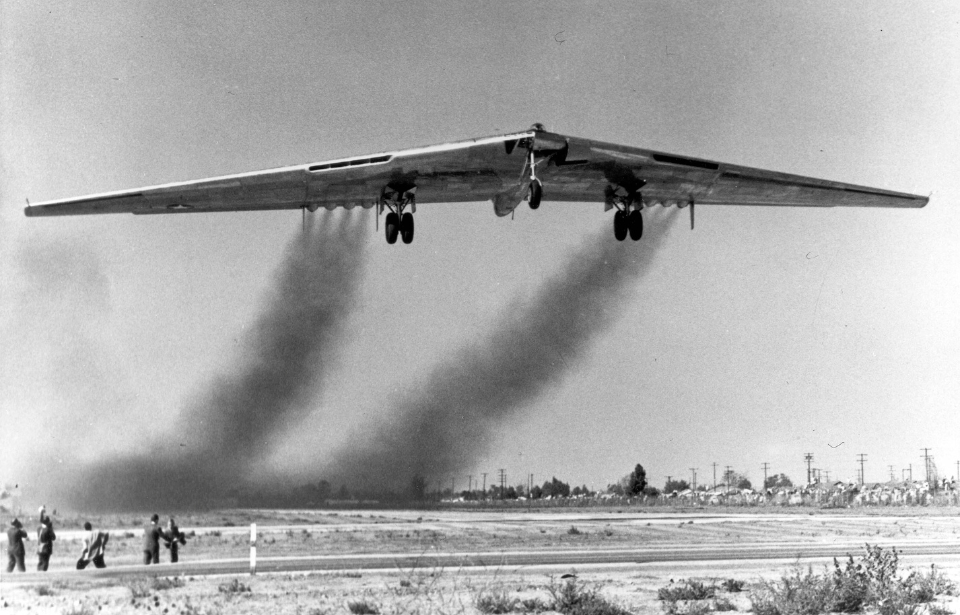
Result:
[[627, 220], [398, 223]]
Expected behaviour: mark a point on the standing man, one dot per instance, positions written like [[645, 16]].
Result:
[[45, 538], [152, 535], [174, 538], [15, 548]]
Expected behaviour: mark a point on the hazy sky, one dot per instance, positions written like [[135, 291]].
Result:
[[764, 334]]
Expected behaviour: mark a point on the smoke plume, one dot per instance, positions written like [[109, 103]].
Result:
[[223, 434], [439, 427]]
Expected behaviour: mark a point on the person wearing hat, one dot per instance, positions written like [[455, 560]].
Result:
[[152, 535], [15, 549], [45, 538]]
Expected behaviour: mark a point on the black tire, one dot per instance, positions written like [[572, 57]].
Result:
[[635, 224], [406, 228], [536, 194], [392, 227], [620, 225]]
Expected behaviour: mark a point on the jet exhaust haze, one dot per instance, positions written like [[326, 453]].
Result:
[[225, 431], [440, 426]]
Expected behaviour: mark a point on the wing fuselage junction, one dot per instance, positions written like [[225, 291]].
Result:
[[534, 165]]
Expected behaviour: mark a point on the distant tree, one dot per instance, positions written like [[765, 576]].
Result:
[[418, 487], [555, 488], [675, 485], [536, 493], [744, 483], [615, 488], [638, 480], [344, 493], [651, 491], [778, 481]]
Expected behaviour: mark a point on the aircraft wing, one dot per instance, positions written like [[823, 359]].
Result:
[[505, 169]]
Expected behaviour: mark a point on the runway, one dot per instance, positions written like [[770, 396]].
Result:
[[718, 556]]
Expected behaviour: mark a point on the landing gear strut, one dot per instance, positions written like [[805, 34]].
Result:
[[398, 223], [627, 219]]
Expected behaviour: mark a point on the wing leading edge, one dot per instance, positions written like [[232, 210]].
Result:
[[534, 165]]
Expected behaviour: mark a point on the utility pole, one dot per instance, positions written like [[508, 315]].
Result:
[[863, 458], [766, 466], [453, 485], [891, 474], [693, 485], [827, 472], [484, 486], [470, 483], [714, 464], [503, 482], [926, 463], [809, 459]]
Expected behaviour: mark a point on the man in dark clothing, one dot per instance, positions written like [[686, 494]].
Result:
[[45, 538], [174, 538], [15, 548], [152, 535]]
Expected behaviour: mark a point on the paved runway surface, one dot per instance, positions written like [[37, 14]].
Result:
[[930, 550]]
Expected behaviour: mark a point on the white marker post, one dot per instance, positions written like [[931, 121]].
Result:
[[253, 549]]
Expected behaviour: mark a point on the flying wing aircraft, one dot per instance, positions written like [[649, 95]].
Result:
[[533, 165]]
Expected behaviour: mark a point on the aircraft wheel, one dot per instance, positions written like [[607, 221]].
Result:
[[635, 224], [392, 227], [620, 225], [536, 193], [406, 228]]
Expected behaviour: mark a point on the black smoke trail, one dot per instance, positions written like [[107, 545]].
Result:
[[439, 427], [225, 432]]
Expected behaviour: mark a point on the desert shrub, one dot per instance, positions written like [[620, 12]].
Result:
[[140, 587], [573, 531], [723, 604], [732, 585], [44, 590], [533, 605], [872, 581], [575, 598], [495, 602], [693, 607], [686, 590], [797, 593], [926, 587], [233, 587], [362, 607], [162, 583]]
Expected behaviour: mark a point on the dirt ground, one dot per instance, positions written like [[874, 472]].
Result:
[[427, 591]]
